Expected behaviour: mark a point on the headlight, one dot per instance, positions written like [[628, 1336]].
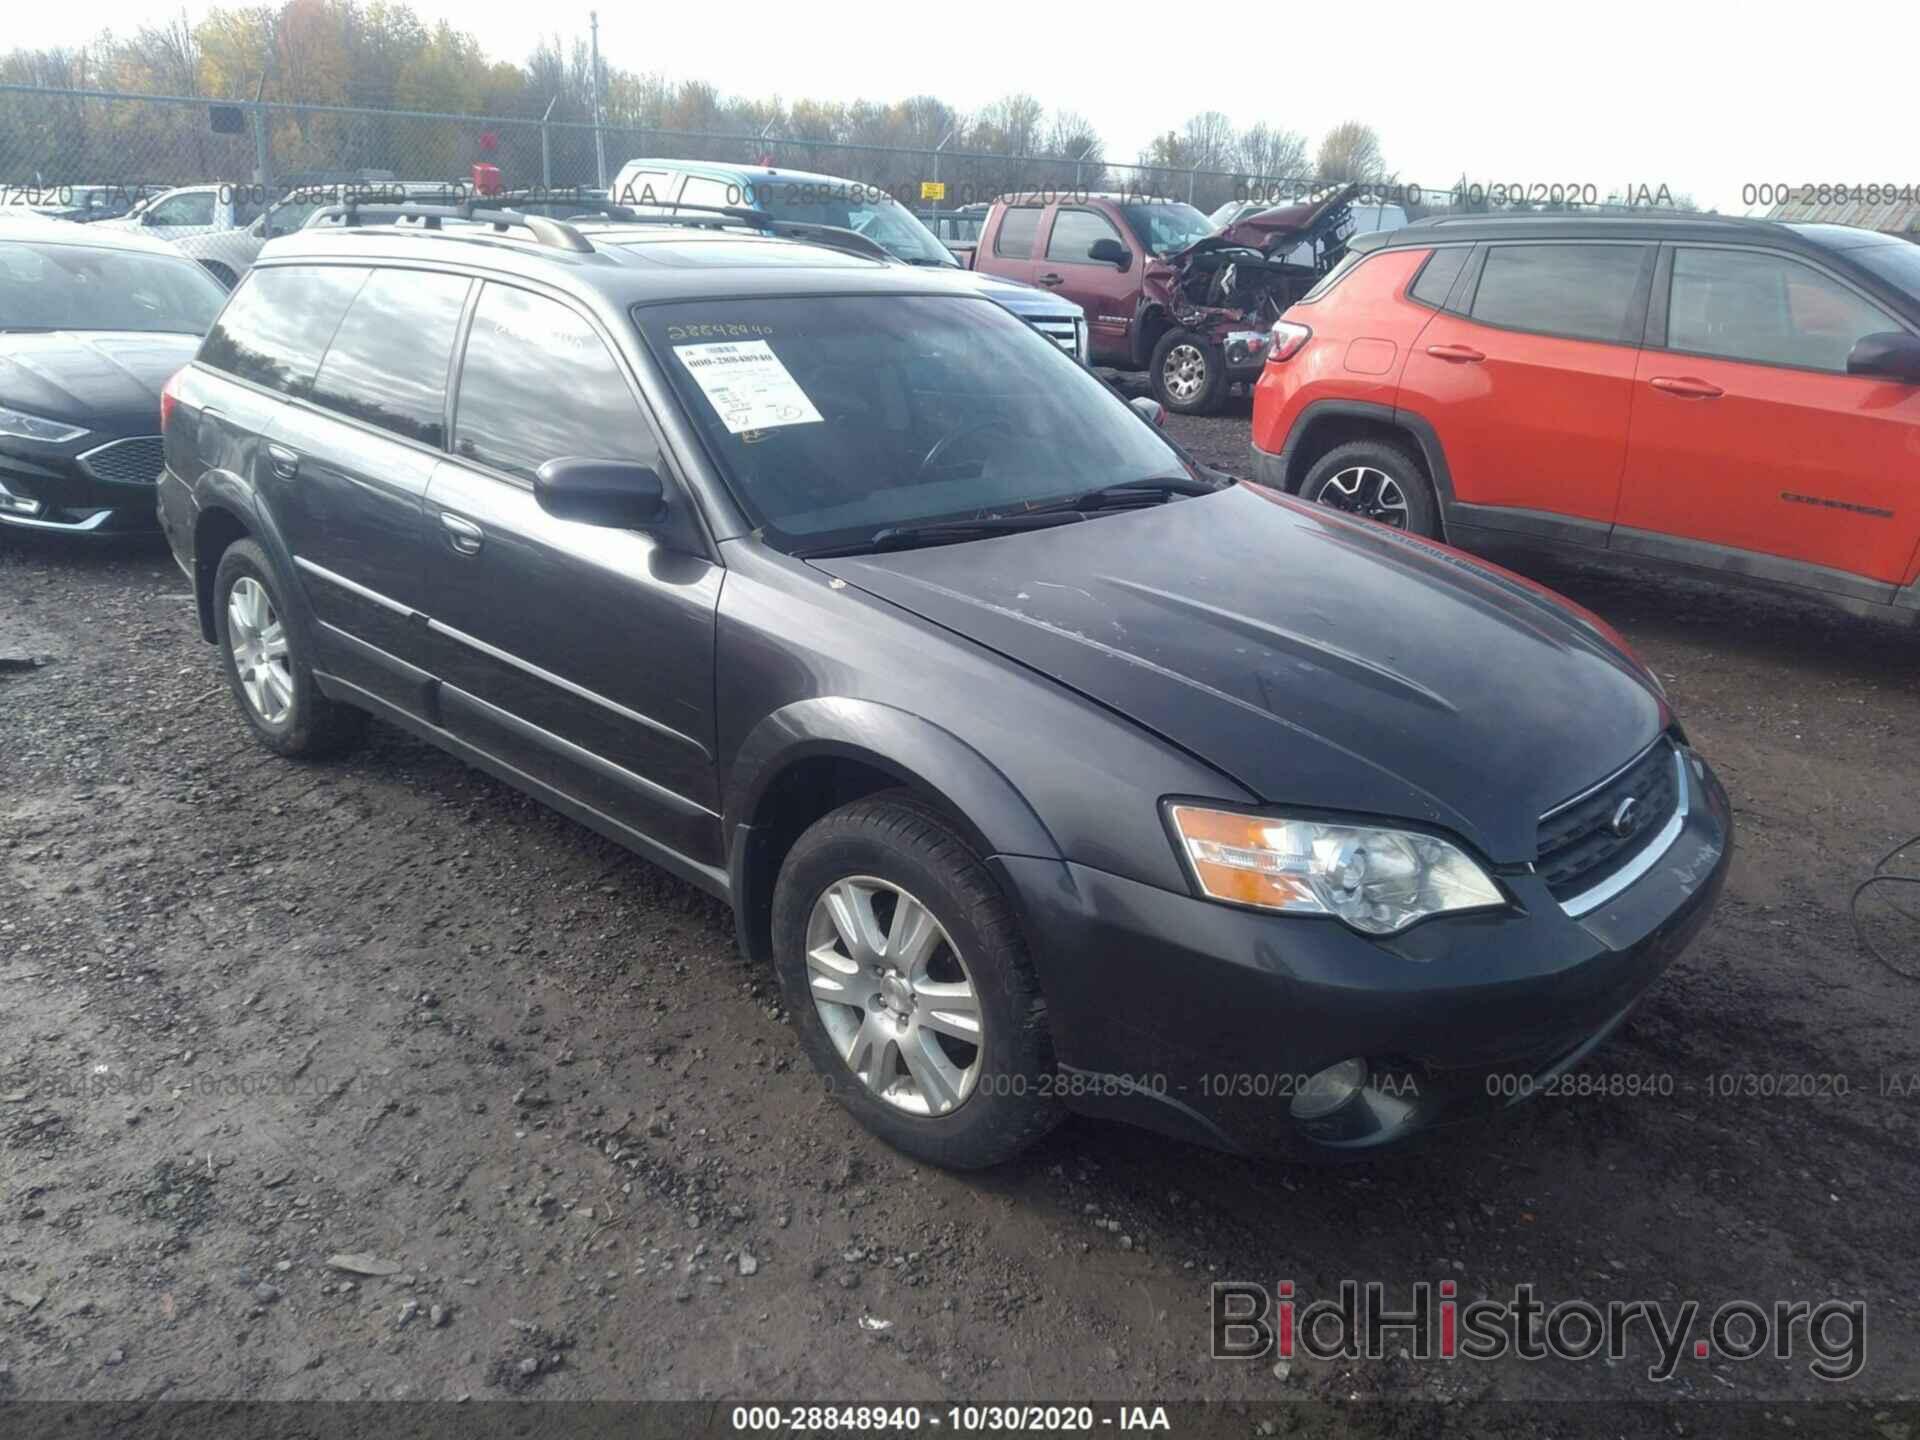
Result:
[[31, 427], [1376, 880]]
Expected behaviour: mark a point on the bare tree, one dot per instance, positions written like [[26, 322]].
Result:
[[1349, 152], [1268, 154]]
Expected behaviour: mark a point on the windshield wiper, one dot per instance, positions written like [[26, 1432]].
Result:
[[948, 532], [1152, 491]]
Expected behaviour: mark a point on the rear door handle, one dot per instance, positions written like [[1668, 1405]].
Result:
[[1686, 388], [1052, 279], [285, 463], [463, 535], [1459, 354]]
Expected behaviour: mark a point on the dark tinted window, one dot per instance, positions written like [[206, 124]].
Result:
[[1074, 231], [1017, 229], [1436, 279], [1583, 291], [279, 323], [1742, 305], [388, 361], [538, 384]]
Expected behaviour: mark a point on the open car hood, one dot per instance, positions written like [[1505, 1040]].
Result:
[[1278, 229]]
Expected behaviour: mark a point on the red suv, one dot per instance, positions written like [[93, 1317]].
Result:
[[1730, 396]]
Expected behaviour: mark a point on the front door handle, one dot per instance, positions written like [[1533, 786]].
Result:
[[463, 535], [1686, 387], [1052, 279], [1458, 354], [285, 463]]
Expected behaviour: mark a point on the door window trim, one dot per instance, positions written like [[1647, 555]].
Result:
[[1660, 313], [1467, 290]]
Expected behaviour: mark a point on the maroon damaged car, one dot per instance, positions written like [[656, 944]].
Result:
[[1164, 290]]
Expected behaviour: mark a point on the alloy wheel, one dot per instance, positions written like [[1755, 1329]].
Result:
[[894, 995], [1184, 371], [258, 640], [1369, 492]]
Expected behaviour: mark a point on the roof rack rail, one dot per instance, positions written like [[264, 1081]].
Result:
[[717, 217], [553, 234]]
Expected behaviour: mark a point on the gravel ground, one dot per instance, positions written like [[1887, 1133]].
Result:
[[375, 1079]]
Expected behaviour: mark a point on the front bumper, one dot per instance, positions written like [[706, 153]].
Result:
[[71, 494], [1200, 1020]]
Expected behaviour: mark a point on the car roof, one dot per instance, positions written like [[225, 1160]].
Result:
[[745, 172], [1669, 225], [47, 230], [625, 262]]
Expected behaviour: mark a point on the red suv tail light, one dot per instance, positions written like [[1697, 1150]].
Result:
[[169, 396], [1287, 340]]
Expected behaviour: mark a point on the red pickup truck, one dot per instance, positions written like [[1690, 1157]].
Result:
[[1163, 290]]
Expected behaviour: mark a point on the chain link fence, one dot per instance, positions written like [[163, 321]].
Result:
[[59, 144]]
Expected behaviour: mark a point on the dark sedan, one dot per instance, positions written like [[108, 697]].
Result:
[[1047, 770], [91, 325]]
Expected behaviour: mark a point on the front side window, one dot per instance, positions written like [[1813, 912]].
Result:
[[865, 209], [1768, 309], [834, 417], [388, 361], [538, 384], [85, 287], [1017, 228], [1074, 232], [276, 329], [1584, 292], [193, 208]]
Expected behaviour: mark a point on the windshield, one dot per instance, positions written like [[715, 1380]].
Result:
[[80, 287], [1165, 227], [833, 417], [1898, 262], [863, 208]]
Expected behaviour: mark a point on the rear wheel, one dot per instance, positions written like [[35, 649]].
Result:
[[1376, 480], [1188, 374], [266, 663], [910, 985]]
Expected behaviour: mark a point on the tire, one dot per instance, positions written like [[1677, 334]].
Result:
[[891, 846], [1198, 383], [1377, 480], [279, 701]]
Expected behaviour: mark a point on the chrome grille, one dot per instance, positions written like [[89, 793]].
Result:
[[1579, 845], [1063, 332], [127, 462]]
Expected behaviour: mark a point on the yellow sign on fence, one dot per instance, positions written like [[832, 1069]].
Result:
[[933, 189]]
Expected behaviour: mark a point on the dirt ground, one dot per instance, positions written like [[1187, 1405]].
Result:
[[256, 1015]]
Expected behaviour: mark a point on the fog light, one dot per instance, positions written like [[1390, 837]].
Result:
[[17, 504], [1326, 1092]]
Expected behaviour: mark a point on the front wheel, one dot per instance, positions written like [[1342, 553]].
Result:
[[1377, 481], [1188, 374], [910, 985]]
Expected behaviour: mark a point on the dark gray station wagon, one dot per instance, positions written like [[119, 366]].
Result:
[[1048, 769]]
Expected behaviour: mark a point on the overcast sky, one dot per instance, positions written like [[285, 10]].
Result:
[[1702, 98]]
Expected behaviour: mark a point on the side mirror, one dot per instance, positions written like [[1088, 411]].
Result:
[[1890, 354], [619, 494], [1110, 251], [1149, 409]]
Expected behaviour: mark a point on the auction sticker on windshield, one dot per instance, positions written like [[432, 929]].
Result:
[[747, 385]]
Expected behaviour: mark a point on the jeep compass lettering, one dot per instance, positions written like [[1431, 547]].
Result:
[[1045, 769]]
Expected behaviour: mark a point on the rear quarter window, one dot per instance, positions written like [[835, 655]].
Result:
[[276, 328], [1435, 281]]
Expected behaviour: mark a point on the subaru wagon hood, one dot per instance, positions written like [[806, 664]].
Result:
[[106, 380], [1318, 660]]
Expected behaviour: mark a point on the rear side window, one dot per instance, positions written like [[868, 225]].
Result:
[[278, 324], [1741, 305], [1585, 292], [538, 384], [1017, 229], [1443, 267], [388, 361]]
